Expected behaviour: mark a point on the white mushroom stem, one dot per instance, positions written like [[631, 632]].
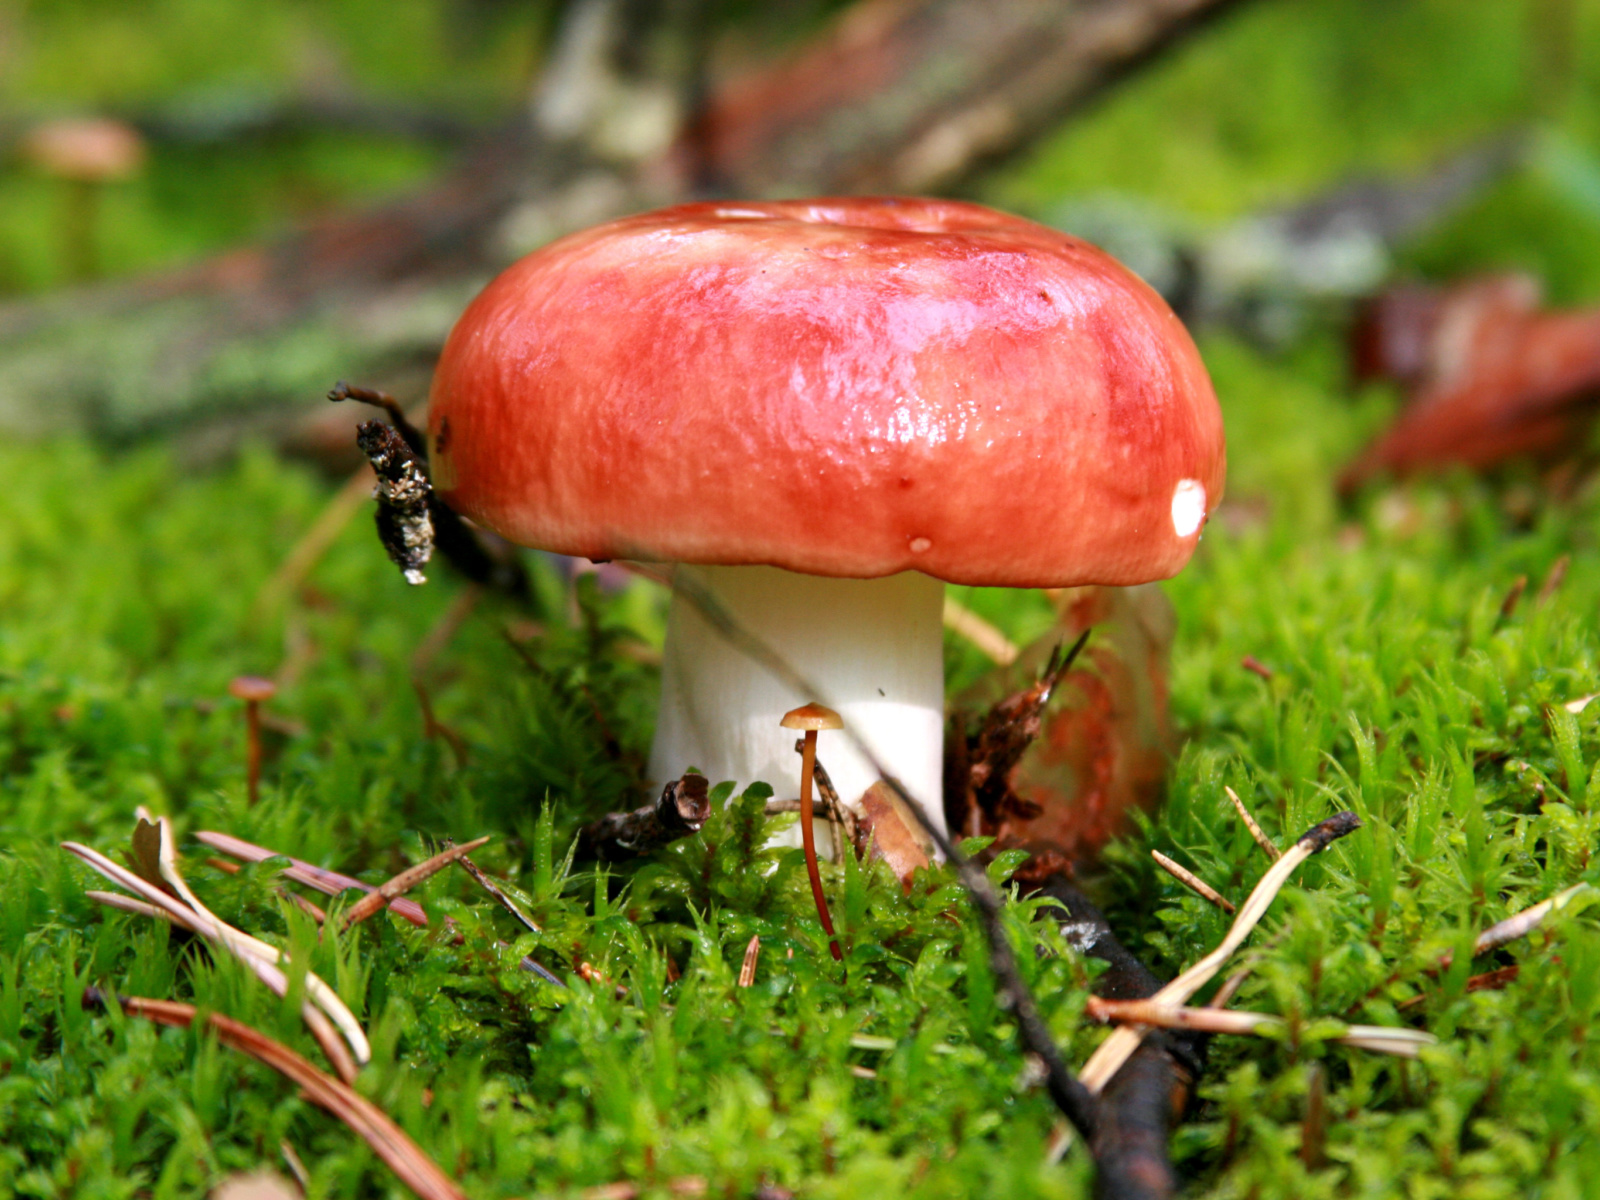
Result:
[[873, 648]]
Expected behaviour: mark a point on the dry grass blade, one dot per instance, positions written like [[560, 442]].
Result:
[[315, 542], [1262, 839], [405, 881], [962, 621], [1382, 1038], [1116, 1049], [687, 1185], [1193, 882], [752, 952], [388, 1141], [329, 883], [1523, 923]]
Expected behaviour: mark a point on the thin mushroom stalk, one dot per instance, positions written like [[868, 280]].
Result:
[[811, 718]]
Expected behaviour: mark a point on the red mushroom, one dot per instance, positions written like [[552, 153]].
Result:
[[832, 407]]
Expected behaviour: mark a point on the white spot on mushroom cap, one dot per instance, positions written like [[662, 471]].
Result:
[[1188, 506], [921, 545]]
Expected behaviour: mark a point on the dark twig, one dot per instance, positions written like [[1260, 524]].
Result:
[[397, 416], [680, 810], [403, 1156]]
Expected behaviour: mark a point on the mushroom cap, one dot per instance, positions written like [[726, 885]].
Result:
[[848, 387], [89, 149], [252, 687], [812, 716]]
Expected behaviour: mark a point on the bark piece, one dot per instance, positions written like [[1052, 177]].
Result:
[[680, 810], [1059, 770]]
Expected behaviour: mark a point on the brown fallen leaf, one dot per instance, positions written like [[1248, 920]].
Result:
[[895, 838], [1490, 377], [1103, 741]]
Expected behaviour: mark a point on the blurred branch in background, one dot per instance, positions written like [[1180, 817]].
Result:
[[892, 95]]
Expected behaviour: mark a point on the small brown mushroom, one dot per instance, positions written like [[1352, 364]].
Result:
[[811, 718], [254, 690]]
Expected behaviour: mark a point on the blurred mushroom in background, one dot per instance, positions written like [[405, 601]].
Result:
[[86, 154]]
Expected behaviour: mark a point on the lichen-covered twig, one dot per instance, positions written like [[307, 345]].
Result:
[[388, 1141], [680, 810], [405, 523]]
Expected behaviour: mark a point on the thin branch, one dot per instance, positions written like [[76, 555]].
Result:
[[529, 963], [405, 881], [388, 1141], [1192, 881]]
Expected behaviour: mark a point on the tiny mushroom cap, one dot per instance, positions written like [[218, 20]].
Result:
[[85, 149], [823, 410], [812, 717], [252, 688]]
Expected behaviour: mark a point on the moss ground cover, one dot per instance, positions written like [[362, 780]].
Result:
[[1398, 690], [1400, 687]]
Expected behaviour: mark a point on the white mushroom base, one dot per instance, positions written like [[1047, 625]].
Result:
[[873, 647]]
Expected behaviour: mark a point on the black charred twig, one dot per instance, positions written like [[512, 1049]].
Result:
[[403, 1156], [680, 810], [1137, 1109], [405, 526]]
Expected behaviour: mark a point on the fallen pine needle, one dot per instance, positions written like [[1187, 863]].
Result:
[[1107, 1060], [388, 1141], [1382, 1038], [405, 881], [329, 883], [1192, 881], [752, 952], [1262, 839], [1525, 922], [322, 1009]]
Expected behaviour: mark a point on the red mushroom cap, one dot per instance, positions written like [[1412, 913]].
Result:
[[850, 387]]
